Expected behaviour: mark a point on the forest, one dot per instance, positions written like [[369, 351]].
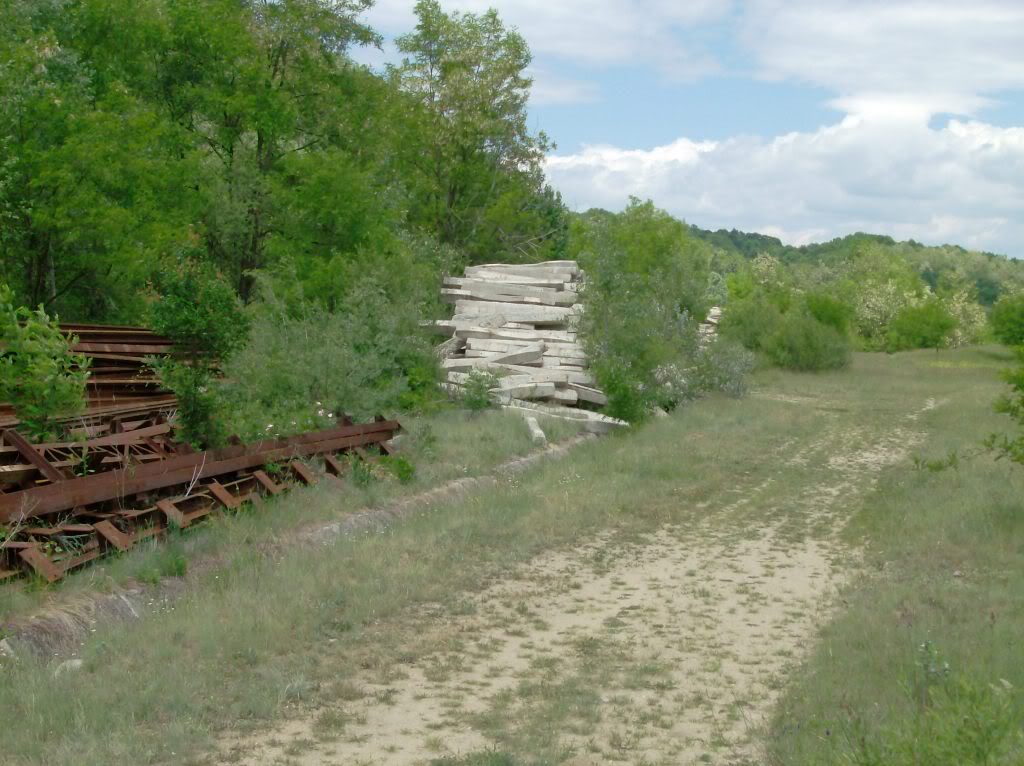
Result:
[[225, 173]]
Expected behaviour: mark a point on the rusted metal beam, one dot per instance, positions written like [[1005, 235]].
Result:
[[33, 456], [123, 483]]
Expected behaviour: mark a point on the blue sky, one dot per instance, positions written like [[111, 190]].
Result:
[[804, 119]]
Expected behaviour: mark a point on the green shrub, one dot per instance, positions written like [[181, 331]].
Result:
[[926, 325], [1012, 404], [722, 366], [750, 321], [801, 342], [476, 393], [955, 721], [193, 306], [1008, 320], [829, 311], [303, 368], [399, 467], [639, 347], [38, 373], [647, 285]]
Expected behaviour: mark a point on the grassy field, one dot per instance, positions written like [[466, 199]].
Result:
[[924, 663], [598, 607]]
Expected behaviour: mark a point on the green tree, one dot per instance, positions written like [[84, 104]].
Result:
[[646, 290], [87, 181], [255, 82], [197, 309], [472, 165], [926, 325], [1008, 320]]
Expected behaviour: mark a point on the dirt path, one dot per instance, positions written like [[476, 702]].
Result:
[[669, 649]]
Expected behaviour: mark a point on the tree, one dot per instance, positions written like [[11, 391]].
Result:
[[1008, 320], [926, 325], [646, 288], [86, 181], [197, 309], [1012, 404], [473, 167], [255, 83]]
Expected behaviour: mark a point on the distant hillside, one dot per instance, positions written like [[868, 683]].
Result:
[[992, 274]]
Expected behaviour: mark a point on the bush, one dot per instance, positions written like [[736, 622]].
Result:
[[193, 306], [750, 321], [476, 393], [1008, 320], [723, 366], [803, 343], [638, 346], [303, 368], [647, 281], [1013, 405], [39, 375], [925, 325], [829, 311], [955, 721]]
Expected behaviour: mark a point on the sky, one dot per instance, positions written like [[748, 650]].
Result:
[[802, 119]]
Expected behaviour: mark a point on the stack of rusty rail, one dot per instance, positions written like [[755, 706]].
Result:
[[65, 504], [120, 385]]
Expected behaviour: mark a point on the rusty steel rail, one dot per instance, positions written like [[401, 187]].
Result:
[[54, 528]]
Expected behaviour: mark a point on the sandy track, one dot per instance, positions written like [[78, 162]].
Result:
[[670, 649]]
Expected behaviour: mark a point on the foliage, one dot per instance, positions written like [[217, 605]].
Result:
[[722, 366], [925, 325], [399, 467], [829, 311], [646, 284], [245, 130], [969, 316], [304, 366], [1012, 404], [476, 393], [39, 374], [476, 180], [194, 307], [750, 321], [955, 721], [1008, 320], [801, 342]]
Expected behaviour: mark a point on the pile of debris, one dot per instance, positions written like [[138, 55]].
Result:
[[709, 327], [519, 324]]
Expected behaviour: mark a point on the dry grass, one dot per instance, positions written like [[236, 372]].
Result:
[[264, 638]]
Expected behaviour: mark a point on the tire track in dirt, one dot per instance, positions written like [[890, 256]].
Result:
[[671, 649]]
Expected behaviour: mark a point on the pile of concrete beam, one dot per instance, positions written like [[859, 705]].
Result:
[[519, 324], [709, 327]]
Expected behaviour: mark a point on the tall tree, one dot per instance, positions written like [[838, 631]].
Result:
[[255, 82], [474, 168]]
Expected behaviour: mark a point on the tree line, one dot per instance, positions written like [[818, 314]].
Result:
[[242, 133]]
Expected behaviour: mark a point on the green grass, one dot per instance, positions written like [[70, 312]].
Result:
[[944, 586], [268, 632]]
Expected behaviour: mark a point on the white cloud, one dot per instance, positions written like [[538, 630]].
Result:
[[550, 88], [963, 183], [910, 59], [596, 33]]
